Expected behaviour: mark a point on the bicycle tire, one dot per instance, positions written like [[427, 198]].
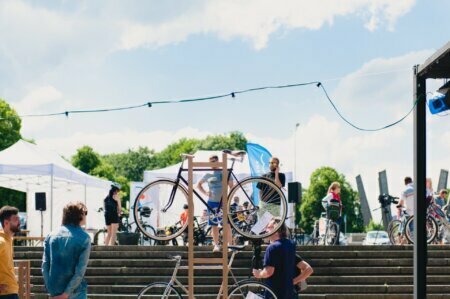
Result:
[[164, 214], [395, 234], [332, 234], [98, 235], [270, 194], [391, 224], [143, 239], [431, 229], [250, 285], [156, 291]]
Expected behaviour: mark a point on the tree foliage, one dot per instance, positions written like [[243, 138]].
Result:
[[10, 124], [132, 163], [86, 159], [130, 166], [374, 226], [311, 207]]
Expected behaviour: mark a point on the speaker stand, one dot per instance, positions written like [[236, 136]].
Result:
[[42, 224]]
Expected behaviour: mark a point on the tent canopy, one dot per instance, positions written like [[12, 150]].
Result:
[[29, 168], [24, 162]]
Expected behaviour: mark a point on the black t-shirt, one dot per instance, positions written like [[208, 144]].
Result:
[[110, 206], [281, 255], [269, 195]]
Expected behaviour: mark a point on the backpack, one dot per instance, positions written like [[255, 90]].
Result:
[[334, 210]]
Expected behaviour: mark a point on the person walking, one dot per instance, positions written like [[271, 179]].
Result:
[[10, 221], [66, 255], [112, 209]]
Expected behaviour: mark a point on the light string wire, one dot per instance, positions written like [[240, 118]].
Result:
[[233, 94]]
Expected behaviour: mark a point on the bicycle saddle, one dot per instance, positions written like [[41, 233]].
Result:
[[236, 247], [234, 153]]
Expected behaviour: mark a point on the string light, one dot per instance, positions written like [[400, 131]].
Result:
[[233, 95]]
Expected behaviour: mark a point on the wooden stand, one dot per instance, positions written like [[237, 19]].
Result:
[[23, 274], [192, 261]]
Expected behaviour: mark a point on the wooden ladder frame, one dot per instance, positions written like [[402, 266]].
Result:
[[192, 261], [23, 275]]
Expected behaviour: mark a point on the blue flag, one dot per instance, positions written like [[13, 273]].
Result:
[[258, 158]]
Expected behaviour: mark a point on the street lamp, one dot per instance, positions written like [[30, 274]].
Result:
[[295, 151]]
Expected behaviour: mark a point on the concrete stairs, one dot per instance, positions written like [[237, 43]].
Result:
[[345, 272]]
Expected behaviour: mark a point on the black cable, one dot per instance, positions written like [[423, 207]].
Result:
[[233, 95], [359, 128]]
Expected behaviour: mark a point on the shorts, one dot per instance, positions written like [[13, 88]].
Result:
[[111, 218], [213, 221]]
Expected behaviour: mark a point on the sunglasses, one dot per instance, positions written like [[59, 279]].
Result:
[[85, 213]]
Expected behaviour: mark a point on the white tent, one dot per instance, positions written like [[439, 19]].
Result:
[[28, 168]]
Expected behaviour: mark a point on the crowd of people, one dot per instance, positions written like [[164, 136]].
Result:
[[67, 249]]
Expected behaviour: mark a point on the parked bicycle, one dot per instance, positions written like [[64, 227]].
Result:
[[125, 226], [238, 290], [166, 198], [401, 231]]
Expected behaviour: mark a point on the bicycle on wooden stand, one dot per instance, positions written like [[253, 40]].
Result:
[[166, 198]]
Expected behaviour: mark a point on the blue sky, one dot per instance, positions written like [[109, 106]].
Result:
[[62, 55]]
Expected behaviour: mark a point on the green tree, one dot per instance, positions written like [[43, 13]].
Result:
[[374, 226], [234, 141], [171, 154], [132, 163], [86, 159], [10, 124], [311, 207], [13, 198], [104, 170]]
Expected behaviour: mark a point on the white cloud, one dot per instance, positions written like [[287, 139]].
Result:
[[36, 101], [119, 141], [256, 20]]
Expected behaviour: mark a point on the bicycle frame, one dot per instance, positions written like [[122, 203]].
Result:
[[180, 179], [175, 282]]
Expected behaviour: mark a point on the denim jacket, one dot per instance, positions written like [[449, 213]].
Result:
[[66, 255]]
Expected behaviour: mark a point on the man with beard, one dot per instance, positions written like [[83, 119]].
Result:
[[9, 218]]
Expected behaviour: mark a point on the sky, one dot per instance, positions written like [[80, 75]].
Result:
[[68, 55]]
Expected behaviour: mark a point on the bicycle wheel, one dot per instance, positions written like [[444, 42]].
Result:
[[248, 287], [391, 225], [395, 233], [431, 229], [99, 237], [159, 290], [164, 199], [265, 201], [332, 234], [143, 239]]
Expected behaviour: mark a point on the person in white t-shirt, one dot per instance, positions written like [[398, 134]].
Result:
[[407, 198]]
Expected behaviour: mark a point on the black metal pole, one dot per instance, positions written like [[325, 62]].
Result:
[[420, 163]]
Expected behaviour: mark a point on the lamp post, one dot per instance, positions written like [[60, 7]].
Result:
[[295, 151]]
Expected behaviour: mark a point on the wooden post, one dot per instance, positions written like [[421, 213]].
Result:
[[190, 228], [224, 259], [23, 278], [225, 226]]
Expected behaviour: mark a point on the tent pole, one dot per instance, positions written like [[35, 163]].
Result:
[[51, 199], [85, 200]]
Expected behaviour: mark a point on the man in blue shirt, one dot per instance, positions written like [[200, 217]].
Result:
[[279, 263], [66, 255]]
